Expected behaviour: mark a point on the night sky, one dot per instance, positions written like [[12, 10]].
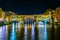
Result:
[[28, 6]]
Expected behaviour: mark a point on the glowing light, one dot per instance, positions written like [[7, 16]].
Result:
[[13, 33], [3, 34], [1, 20], [18, 25], [25, 33], [41, 30], [33, 34], [40, 24], [45, 32]]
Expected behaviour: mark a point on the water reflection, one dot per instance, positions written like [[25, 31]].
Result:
[[33, 32], [13, 32], [28, 32], [45, 31], [41, 30], [25, 32], [3, 33], [18, 25]]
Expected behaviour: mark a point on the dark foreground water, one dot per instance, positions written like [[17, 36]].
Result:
[[29, 32]]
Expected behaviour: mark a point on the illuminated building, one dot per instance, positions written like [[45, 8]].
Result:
[[57, 14], [11, 16]]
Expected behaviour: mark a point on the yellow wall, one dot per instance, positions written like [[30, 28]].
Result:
[[0, 12]]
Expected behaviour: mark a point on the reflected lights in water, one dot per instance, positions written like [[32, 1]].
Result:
[[3, 34], [45, 31], [25, 32], [33, 32], [13, 32], [41, 30]]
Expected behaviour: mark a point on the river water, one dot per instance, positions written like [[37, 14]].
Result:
[[29, 32]]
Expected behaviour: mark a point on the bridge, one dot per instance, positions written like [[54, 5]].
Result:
[[6, 23], [25, 19]]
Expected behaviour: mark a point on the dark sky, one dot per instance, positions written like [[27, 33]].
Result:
[[29, 6]]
